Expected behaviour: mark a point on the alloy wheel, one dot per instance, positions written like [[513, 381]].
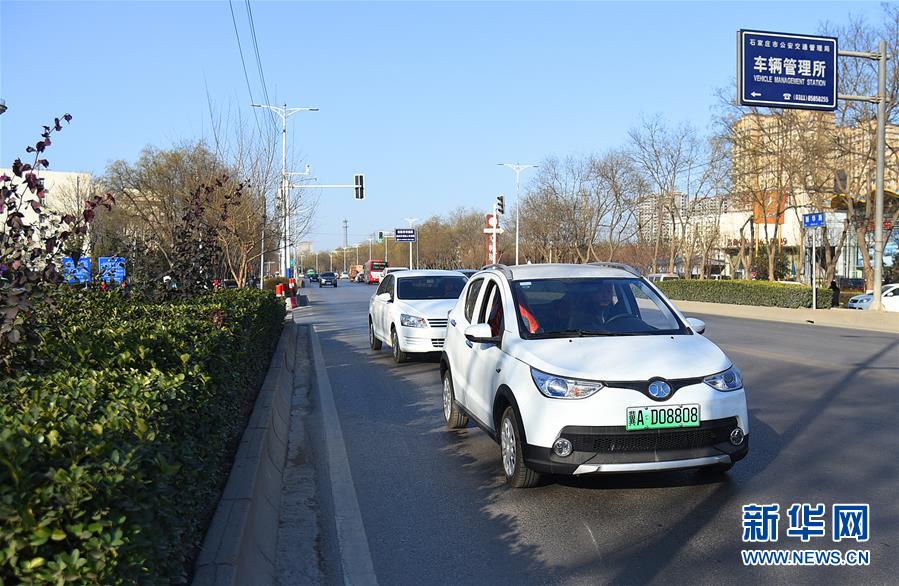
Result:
[[447, 397], [508, 447]]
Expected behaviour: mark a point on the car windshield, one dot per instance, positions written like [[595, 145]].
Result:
[[443, 287], [555, 308], [328, 275]]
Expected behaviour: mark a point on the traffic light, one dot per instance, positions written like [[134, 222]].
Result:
[[500, 204], [360, 189], [380, 237]]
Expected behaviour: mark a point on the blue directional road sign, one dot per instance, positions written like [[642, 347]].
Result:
[[782, 70], [111, 268], [404, 234], [76, 274], [815, 220]]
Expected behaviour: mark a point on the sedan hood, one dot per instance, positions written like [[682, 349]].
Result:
[[432, 308], [622, 358]]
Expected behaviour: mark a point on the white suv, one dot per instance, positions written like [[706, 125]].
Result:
[[409, 310], [579, 369]]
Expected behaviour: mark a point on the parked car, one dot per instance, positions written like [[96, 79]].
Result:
[[656, 277], [328, 279], [889, 299], [582, 369], [344, 275], [408, 310]]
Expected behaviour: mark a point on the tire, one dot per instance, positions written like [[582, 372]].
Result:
[[452, 414], [319, 285], [518, 475], [398, 355], [373, 342]]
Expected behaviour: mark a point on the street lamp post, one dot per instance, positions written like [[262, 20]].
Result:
[[518, 169], [284, 112]]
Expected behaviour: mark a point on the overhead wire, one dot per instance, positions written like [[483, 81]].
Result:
[[244, 64], [259, 63]]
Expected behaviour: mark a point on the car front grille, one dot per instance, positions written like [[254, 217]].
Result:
[[615, 439], [437, 342], [437, 323]]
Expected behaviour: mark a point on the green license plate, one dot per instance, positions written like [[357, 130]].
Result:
[[662, 417]]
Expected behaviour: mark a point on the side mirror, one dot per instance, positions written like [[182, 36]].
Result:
[[697, 324], [481, 334], [385, 297]]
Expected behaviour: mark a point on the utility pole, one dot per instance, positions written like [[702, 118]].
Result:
[[880, 99], [370, 239], [345, 244], [284, 112], [518, 169]]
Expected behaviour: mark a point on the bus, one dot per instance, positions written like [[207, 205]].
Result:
[[373, 270]]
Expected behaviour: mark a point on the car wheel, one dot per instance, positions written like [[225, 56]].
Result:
[[398, 355], [455, 418], [319, 285], [518, 475], [373, 340]]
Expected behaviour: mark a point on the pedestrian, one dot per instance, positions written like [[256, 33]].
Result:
[[834, 294]]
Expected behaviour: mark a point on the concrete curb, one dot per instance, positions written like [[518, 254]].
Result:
[[838, 318], [356, 565], [241, 544]]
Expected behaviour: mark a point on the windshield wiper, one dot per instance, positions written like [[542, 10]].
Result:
[[572, 334]]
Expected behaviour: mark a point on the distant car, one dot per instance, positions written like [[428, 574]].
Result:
[[313, 276], [327, 279], [229, 284], [889, 299], [360, 278], [656, 277], [409, 309], [345, 275]]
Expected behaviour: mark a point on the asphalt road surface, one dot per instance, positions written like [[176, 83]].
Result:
[[824, 410]]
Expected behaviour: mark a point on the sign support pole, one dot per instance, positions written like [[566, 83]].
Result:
[[815, 269]]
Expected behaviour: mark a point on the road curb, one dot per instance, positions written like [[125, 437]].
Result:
[[240, 546], [352, 544]]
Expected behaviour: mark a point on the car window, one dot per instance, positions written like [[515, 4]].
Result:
[[491, 310], [382, 288], [431, 287], [391, 282], [472, 297]]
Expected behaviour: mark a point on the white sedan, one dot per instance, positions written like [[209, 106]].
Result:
[[408, 311], [889, 299]]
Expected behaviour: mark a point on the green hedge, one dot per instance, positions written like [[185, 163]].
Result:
[[763, 293], [116, 442]]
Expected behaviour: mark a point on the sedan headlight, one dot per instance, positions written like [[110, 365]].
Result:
[[557, 387], [413, 321], [729, 380]]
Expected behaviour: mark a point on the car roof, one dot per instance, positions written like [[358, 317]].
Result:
[[426, 273], [563, 271]]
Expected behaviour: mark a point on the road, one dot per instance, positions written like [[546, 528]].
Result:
[[823, 409]]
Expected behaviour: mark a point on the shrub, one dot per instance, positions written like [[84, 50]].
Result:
[[116, 442], [764, 293], [269, 284]]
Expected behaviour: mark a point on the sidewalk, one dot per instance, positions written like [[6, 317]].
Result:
[[840, 318]]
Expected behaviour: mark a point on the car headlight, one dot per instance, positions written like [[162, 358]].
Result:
[[557, 387], [729, 380], [413, 321]]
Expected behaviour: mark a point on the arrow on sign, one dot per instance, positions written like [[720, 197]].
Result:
[[755, 94]]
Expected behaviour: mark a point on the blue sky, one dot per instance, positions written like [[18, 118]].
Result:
[[424, 98]]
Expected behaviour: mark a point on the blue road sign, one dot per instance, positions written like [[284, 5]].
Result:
[[404, 234], [815, 220], [111, 268], [782, 70], [76, 274]]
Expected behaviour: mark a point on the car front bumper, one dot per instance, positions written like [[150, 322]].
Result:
[[429, 339], [614, 450]]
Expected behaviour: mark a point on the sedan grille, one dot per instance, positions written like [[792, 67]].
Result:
[[614, 439], [437, 342], [437, 323]]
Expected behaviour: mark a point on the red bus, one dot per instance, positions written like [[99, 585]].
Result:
[[373, 271]]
